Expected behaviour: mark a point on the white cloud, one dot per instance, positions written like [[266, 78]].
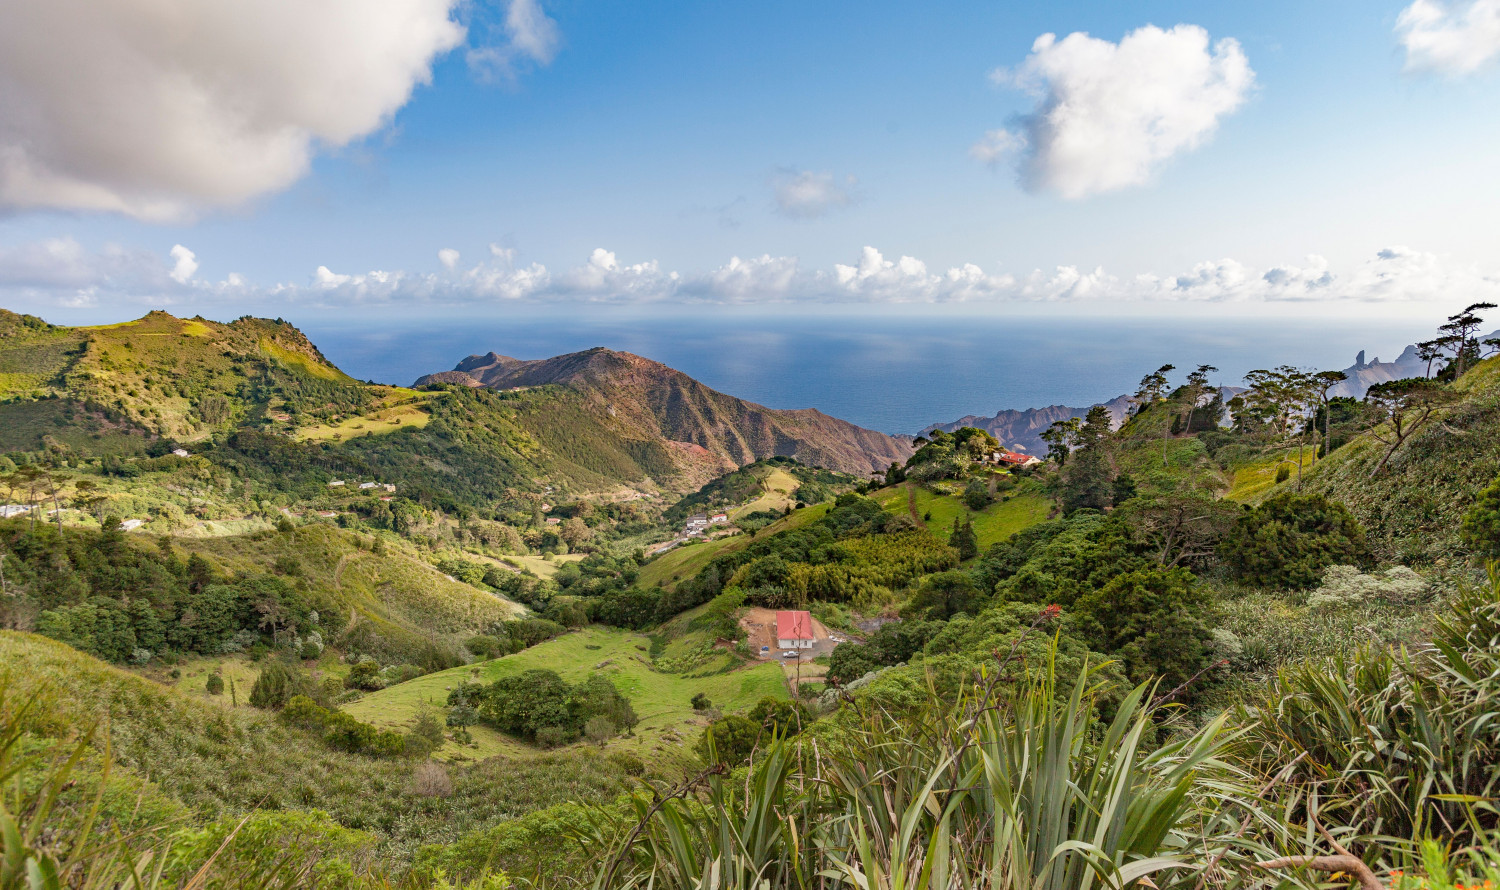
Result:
[[760, 278], [997, 146], [185, 263], [1455, 39], [448, 257], [1110, 114], [62, 272], [530, 37], [808, 194], [160, 109]]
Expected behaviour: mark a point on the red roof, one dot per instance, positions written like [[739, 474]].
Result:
[[793, 626]]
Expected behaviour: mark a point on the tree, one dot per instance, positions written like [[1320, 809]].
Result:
[[1181, 529], [977, 494], [728, 740], [1153, 387], [1460, 332], [1322, 382], [785, 718], [1088, 479], [1430, 351], [1407, 405], [942, 596], [1481, 526], [1197, 388], [276, 685], [1291, 538], [963, 539], [1060, 438]]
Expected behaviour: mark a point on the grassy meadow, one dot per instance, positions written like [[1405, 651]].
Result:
[[662, 701]]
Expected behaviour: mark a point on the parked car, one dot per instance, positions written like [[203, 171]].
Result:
[[791, 653]]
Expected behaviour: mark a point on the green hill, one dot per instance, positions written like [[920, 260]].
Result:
[[1411, 511], [184, 759]]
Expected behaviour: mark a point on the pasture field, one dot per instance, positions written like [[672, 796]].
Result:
[[662, 701]]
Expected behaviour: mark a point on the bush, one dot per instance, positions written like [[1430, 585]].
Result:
[[1290, 539], [430, 779], [701, 702], [366, 676], [277, 684], [599, 729], [486, 646], [305, 713], [215, 684], [552, 737], [1481, 526], [728, 740], [309, 651]]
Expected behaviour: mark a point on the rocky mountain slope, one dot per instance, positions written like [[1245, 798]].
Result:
[[706, 429]]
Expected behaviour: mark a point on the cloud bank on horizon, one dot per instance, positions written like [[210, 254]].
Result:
[[63, 273]]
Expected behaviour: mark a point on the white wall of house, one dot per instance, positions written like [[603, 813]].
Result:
[[794, 644]]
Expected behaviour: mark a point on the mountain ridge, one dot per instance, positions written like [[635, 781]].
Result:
[[646, 396]]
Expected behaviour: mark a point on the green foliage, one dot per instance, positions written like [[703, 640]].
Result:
[[943, 595], [891, 644], [1290, 539], [364, 675], [1481, 526], [1422, 752], [729, 740], [214, 685], [277, 684], [964, 540], [539, 701], [1153, 619], [1043, 796]]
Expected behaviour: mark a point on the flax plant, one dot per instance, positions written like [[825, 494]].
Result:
[[1016, 786]]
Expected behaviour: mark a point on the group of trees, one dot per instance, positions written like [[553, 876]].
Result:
[[544, 708], [102, 594]]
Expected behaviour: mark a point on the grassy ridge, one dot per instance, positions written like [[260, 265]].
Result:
[[390, 604], [661, 700]]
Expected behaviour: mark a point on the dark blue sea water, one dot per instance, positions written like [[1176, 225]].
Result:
[[886, 369]]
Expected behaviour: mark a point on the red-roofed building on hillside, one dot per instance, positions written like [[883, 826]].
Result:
[[1016, 459], [794, 630]]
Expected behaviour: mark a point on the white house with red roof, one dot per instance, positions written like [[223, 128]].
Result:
[[794, 630]]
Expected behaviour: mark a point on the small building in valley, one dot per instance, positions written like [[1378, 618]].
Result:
[[718, 519], [794, 630]]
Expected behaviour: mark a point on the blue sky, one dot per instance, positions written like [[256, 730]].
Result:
[[624, 155]]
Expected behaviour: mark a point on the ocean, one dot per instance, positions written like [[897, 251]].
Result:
[[890, 370]]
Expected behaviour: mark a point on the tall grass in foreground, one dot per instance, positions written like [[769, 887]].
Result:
[[1358, 764], [1393, 745], [1020, 788]]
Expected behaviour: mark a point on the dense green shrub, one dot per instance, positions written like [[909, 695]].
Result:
[[1152, 619], [276, 685], [1481, 526], [1290, 539]]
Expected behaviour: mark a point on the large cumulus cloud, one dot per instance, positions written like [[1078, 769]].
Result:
[[159, 108], [1109, 114]]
